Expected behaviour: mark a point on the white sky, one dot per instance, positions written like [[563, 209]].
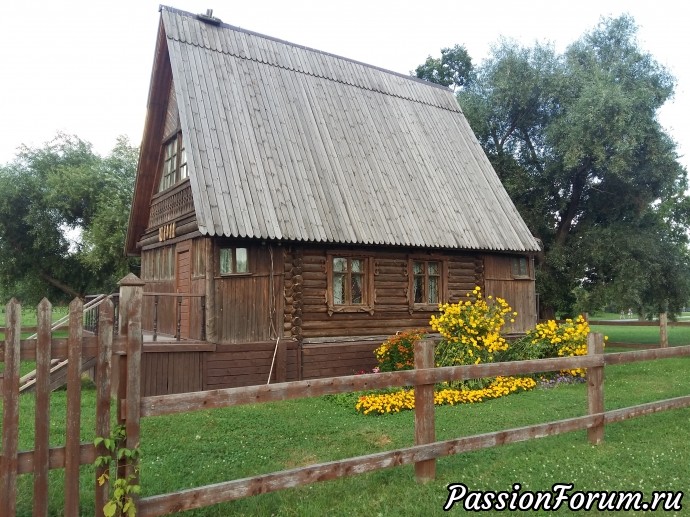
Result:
[[83, 67]]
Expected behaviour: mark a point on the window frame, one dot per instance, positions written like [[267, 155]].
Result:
[[516, 272], [367, 304], [233, 272], [442, 282], [180, 171]]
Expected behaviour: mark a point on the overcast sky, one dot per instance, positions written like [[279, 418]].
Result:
[[83, 67]]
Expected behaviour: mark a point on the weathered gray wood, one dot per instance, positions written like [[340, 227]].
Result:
[[424, 415], [73, 426], [42, 409], [10, 410], [595, 388], [290, 143]]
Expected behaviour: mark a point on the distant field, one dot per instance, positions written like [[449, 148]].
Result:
[[643, 335]]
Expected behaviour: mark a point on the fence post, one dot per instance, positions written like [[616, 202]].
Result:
[[10, 415], [424, 418], [131, 301], [595, 389], [663, 330]]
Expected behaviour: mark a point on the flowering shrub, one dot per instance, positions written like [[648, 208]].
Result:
[[397, 352], [551, 339], [471, 329], [471, 332], [394, 402]]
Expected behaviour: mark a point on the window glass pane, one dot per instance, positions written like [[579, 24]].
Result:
[[225, 261], [357, 288], [356, 265], [520, 266], [418, 268], [433, 268], [432, 294], [339, 288], [340, 264], [241, 262], [418, 289], [183, 163]]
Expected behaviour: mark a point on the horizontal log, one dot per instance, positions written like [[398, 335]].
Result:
[[59, 348], [171, 404], [56, 458], [646, 355], [618, 415], [232, 490]]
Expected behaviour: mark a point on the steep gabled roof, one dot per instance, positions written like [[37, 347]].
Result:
[[287, 142]]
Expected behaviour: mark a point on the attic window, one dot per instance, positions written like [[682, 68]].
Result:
[[174, 162]]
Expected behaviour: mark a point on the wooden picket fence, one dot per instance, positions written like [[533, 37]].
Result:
[[126, 349], [76, 348]]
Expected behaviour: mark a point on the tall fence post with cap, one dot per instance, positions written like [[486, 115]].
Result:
[[131, 302], [595, 389], [424, 417]]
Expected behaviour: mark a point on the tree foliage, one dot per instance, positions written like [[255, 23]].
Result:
[[63, 217], [453, 68], [576, 141]]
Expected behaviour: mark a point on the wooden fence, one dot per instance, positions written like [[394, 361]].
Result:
[[76, 348], [126, 349]]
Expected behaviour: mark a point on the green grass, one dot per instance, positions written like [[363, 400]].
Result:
[[182, 451], [643, 335], [28, 319]]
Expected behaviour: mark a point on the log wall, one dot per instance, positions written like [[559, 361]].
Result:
[[306, 292]]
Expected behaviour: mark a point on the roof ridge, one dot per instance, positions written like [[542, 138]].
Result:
[[323, 76], [300, 46]]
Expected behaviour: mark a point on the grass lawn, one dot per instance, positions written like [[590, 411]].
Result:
[[28, 319], [643, 335], [182, 451]]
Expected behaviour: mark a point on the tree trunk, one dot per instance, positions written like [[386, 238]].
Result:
[[63, 287]]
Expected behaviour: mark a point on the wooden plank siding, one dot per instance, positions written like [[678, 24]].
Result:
[[248, 306], [335, 359], [247, 364], [520, 293]]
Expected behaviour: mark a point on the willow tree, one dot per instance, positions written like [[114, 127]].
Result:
[[63, 216], [576, 140]]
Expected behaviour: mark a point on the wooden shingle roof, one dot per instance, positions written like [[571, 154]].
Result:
[[286, 142]]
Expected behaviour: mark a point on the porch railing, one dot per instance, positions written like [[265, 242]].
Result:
[[179, 299]]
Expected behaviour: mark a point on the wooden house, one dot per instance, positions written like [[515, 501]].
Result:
[[306, 206]]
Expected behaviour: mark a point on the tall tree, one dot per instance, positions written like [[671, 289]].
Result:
[[578, 146], [54, 204]]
